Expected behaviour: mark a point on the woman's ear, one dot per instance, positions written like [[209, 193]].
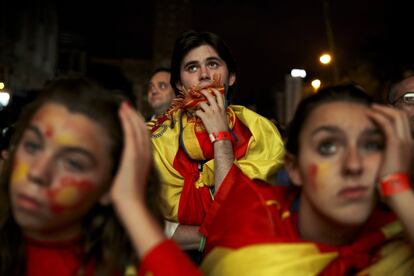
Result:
[[292, 167]]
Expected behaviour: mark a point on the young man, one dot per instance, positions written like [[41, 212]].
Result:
[[202, 128]]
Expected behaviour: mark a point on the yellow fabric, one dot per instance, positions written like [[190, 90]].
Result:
[[264, 155], [267, 259], [191, 142], [266, 150], [191, 128], [395, 258], [392, 230]]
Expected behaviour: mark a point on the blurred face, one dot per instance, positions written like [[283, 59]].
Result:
[[61, 168], [160, 93], [200, 65], [404, 87], [338, 163]]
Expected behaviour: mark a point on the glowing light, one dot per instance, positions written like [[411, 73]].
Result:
[[316, 84], [298, 73], [4, 98], [325, 58], [2, 85]]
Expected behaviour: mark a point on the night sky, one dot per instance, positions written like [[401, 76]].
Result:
[[268, 38]]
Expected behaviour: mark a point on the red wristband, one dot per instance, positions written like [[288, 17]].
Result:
[[222, 135], [394, 184]]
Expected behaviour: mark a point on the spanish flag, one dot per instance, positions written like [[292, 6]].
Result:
[[184, 157]]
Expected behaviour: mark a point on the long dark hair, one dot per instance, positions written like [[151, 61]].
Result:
[[340, 93], [104, 239], [192, 39]]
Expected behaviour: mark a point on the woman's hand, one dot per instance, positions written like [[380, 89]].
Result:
[[399, 143], [397, 159], [131, 179], [129, 185]]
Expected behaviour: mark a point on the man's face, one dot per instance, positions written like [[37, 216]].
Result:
[[200, 65], [160, 93], [402, 89]]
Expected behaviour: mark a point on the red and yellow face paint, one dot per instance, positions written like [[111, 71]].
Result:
[[19, 172], [69, 194], [318, 175]]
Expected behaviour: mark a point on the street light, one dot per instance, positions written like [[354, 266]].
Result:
[[316, 84], [325, 59], [298, 73], [4, 99]]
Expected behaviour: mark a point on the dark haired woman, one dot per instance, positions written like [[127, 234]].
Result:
[[346, 213], [68, 174]]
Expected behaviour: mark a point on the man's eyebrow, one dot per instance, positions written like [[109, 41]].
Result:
[[190, 62], [214, 59]]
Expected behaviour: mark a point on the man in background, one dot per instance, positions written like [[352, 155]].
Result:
[[160, 93]]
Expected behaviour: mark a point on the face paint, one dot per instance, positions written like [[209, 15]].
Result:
[[323, 174], [49, 131], [65, 139], [20, 171], [69, 194], [312, 172]]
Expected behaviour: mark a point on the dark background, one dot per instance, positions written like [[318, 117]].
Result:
[[372, 39], [268, 38]]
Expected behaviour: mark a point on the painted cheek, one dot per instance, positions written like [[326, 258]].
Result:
[[19, 173], [323, 176], [312, 172], [69, 194]]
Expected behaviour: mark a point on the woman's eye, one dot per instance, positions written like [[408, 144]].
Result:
[[31, 146], [74, 165], [327, 148], [374, 146]]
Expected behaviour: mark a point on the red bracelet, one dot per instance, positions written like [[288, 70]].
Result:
[[222, 135], [394, 184]]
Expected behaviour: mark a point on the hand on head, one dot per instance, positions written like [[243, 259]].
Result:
[[399, 144]]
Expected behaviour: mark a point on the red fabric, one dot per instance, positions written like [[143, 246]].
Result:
[[167, 259], [195, 202], [55, 258], [188, 99], [240, 146], [247, 212]]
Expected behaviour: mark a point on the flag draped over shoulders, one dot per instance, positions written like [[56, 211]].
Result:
[[251, 229], [184, 157]]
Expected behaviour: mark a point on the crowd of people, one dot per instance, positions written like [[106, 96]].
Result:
[[91, 187]]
